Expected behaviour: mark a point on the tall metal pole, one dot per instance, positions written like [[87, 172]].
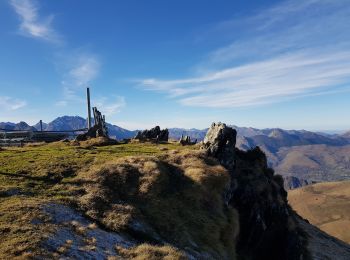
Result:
[[88, 107], [41, 125]]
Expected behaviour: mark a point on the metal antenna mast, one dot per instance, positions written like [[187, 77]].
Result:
[[88, 107]]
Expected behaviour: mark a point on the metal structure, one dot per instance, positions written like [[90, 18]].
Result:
[[18, 137], [88, 108]]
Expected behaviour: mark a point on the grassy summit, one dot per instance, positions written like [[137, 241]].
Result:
[[165, 197]]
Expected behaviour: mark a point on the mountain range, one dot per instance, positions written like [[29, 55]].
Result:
[[301, 157]]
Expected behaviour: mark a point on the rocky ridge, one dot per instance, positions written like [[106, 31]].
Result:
[[269, 228]]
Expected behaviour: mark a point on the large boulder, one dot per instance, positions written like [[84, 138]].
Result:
[[220, 142]]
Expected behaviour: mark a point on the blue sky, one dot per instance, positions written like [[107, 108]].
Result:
[[178, 63]]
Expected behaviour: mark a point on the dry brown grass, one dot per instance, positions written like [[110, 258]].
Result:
[[20, 236], [32, 176], [325, 205], [36, 144], [147, 251], [98, 141], [180, 195]]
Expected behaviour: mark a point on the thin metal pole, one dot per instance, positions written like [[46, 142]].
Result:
[[88, 107], [41, 125]]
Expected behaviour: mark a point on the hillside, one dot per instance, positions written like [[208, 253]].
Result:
[[325, 205], [314, 163], [92, 200], [40, 213]]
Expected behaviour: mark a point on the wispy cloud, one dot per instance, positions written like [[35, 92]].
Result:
[[32, 24], [84, 70], [110, 106], [9, 103], [283, 54], [79, 69]]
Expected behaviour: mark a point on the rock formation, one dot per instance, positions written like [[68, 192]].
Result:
[[292, 182], [154, 134], [98, 130], [220, 143], [186, 140], [268, 226]]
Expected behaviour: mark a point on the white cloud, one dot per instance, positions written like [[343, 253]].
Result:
[[281, 54], [85, 70], [78, 67], [110, 106], [79, 70], [31, 23], [9, 103]]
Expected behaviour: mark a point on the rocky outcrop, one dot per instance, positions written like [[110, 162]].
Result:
[[292, 182], [155, 134], [220, 143], [98, 130], [186, 140], [93, 132], [268, 226], [268, 229]]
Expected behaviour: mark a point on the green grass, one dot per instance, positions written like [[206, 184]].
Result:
[[176, 191], [180, 195], [37, 170], [34, 175]]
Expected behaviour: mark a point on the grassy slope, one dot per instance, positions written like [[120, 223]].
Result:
[[32, 176], [179, 195], [325, 205], [314, 162]]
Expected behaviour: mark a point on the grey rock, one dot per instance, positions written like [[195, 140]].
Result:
[[186, 140], [67, 222], [292, 182], [220, 142], [153, 134]]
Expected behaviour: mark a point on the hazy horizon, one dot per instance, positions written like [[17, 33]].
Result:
[[326, 131]]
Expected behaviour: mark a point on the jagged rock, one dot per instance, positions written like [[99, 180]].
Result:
[[292, 182], [268, 229], [153, 134], [93, 132], [268, 226], [186, 140], [220, 142]]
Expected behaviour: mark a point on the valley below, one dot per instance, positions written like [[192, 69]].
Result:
[[325, 205]]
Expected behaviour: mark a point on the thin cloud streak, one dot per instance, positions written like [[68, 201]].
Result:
[[79, 69], [9, 103], [109, 107], [261, 82], [32, 24], [287, 55], [85, 70]]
